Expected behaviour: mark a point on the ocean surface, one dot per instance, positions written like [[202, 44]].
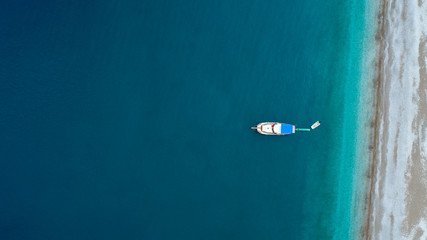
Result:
[[131, 119]]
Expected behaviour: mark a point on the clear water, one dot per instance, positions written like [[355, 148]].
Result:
[[131, 119]]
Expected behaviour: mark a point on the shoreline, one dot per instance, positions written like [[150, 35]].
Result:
[[396, 183], [374, 124]]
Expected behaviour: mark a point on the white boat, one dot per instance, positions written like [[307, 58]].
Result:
[[276, 128]]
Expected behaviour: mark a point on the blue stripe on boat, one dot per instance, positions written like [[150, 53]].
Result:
[[287, 128]]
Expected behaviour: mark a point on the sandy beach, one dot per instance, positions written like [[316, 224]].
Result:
[[397, 187]]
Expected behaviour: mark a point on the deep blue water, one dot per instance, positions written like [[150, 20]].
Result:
[[131, 119]]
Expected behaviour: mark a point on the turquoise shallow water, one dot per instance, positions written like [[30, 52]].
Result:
[[132, 119]]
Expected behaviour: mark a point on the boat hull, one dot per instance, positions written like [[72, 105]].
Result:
[[268, 128]]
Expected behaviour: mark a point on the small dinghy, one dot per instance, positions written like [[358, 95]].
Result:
[[276, 128]]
